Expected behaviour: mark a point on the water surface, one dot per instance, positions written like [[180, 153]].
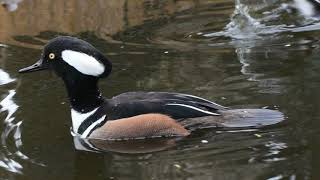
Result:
[[240, 54]]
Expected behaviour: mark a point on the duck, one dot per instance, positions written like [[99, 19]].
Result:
[[132, 115]]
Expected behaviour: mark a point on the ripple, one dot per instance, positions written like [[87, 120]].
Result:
[[7, 157], [11, 156]]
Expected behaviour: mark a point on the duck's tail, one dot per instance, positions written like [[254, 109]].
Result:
[[236, 118]]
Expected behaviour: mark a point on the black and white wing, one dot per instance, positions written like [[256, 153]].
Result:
[[176, 105]]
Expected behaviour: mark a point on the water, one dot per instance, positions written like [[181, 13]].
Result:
[[242, 54]]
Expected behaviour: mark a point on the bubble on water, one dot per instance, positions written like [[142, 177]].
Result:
[[204, 141]]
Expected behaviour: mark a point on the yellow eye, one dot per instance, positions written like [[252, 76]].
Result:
[[51, 56]]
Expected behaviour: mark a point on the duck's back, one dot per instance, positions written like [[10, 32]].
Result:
[[175, 105]]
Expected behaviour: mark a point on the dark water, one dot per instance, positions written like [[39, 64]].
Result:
[[239, 54]]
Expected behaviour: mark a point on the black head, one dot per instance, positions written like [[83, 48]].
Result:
[[69, 56]]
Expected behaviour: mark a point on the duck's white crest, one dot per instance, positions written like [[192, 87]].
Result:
[[78, 118], [83, 62]]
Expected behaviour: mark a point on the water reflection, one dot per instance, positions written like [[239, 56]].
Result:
[[5, 78], [245, 61], [274, 149], [102, 18], [12, 128], [11, 155], [171, 46], [220, 158]]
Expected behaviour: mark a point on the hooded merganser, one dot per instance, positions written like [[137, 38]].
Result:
[[134, 114]]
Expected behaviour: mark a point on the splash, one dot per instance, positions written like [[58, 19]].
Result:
[[270, 20], [242, 25]]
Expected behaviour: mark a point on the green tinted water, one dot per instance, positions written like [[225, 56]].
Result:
[[179, 46]]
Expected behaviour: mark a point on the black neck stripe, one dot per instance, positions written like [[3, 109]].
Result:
[[89, 121], [97, 126]]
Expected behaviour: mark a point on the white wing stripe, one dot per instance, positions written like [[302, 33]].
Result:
[[196, 97], [194, 108]]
